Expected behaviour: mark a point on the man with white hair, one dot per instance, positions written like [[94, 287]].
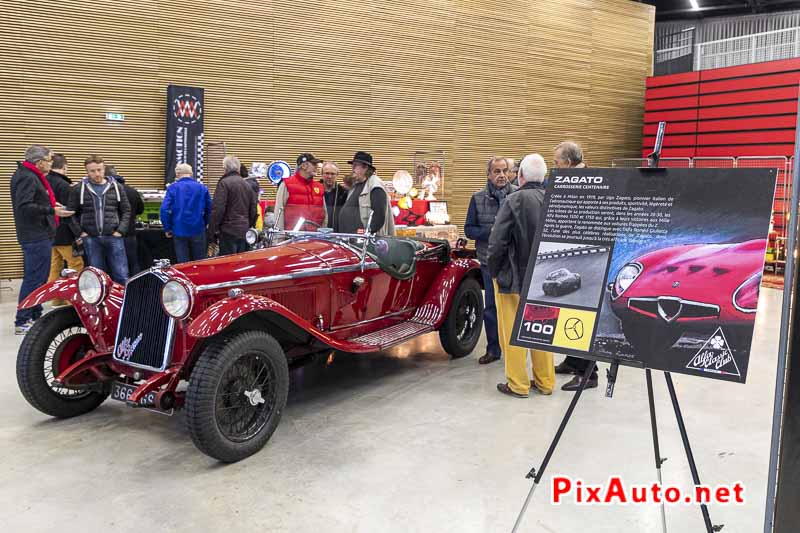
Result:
[[185, 213], [335, 194], [233, 210], [510, 246]]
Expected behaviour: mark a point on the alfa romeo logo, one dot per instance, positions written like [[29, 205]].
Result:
[[573, 329]]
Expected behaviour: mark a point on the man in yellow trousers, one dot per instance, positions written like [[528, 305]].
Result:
[[510, 245], [63, 251]]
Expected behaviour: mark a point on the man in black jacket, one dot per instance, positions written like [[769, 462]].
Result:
[[233, 210], [510, 245], [63, 251], [335, 194], [35, 219], [137, 208], [102, 217]]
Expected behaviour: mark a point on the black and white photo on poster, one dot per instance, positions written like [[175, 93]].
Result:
[[685, 256]]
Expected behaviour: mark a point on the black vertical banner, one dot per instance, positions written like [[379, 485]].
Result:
[[184, 130]]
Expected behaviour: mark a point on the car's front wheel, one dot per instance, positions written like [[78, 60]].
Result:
[[237, 392], [647, 338], [462, 327], [56, 341]]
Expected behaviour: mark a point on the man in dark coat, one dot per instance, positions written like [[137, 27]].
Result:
[[137, 208], [335, 194], [233, 210], [102, 217], [482, 211], [36, 214], [510, 247], [64, 251], [570, 155]]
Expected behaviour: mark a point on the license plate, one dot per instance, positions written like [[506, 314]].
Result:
[[122, 392]]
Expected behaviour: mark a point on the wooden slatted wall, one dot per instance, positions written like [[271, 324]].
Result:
[[471, 77]]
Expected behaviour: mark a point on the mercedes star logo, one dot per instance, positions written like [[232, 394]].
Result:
[[676, 284], [573, 329]]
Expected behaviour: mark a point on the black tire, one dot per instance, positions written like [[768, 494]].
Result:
[[462, 328], [234, 363], [646, 338], [40, 353]]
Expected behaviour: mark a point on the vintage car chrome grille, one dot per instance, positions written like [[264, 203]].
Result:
[[145, 331]]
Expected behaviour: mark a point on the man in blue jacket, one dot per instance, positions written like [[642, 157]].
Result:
[[185, 213], [483, 207]]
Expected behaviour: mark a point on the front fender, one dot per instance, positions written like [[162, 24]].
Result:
[[100, 321], [62, 288], [434, 308]]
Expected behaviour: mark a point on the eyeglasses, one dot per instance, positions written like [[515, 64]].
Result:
[[48, 160]]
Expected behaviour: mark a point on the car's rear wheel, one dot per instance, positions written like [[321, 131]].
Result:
[[648, 338], [54, 342], [237, 392], [462, 327]]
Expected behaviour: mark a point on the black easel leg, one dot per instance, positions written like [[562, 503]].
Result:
[[537, 476], [686, 446], [656, 449]]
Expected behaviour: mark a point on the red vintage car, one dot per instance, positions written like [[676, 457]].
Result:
[[217, 336], [663, 294]]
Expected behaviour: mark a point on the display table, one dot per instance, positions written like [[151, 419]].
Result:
[[151, 244]]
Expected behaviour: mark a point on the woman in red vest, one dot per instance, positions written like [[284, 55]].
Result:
[[300, 196]]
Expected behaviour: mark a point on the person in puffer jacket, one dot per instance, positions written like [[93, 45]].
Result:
[[102, 217]]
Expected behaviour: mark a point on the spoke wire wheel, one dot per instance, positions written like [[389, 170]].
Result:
[[67, 347], [236, 395], [467, 316], [461, 329], [246, 397]]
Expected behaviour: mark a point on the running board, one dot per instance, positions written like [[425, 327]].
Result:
[[393, 335]]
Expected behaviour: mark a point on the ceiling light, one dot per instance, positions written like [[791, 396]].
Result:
[[694, 4]]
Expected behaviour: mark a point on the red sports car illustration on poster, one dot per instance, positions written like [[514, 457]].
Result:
[[663, 294]]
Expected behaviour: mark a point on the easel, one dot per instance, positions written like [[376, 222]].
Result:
[[612, 378]]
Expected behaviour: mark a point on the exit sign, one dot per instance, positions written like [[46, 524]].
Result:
[[118, 117]]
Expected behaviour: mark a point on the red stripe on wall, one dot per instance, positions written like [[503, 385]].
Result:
[[756, 82], [672, 128], [672, 92], [773, 108], [687, 102], [669, 116], [738, 124], [672, 79], [742, 97], [747, 137], [752, 69], [671, 140], [671, 152]]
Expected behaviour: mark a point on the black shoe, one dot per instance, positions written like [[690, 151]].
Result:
[[565, 368], [487, 358], [575, 383], [505, 389]]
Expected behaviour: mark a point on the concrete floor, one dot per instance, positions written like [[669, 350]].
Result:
[[404, 440]]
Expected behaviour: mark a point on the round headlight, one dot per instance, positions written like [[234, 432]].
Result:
[[176, 299], [90, 287], [626, 276], [251, 236]]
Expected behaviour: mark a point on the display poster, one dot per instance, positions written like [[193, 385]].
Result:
[[185, 135], [654, 268]]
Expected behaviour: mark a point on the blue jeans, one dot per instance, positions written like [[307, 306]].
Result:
[[108, 253], [229, 244], [190, 248], [36, 269], [489, 313]]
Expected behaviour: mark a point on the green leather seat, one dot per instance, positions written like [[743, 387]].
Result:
[[399, 259]]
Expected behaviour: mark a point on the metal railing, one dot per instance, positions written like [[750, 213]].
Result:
[[753, 48]]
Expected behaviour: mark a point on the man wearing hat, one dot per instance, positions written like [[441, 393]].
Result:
[[300, 196], [367, 195]]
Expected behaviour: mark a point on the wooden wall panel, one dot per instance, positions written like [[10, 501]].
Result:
[[471, 77]]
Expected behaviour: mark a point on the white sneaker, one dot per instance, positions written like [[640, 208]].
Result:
[[23, 329]]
